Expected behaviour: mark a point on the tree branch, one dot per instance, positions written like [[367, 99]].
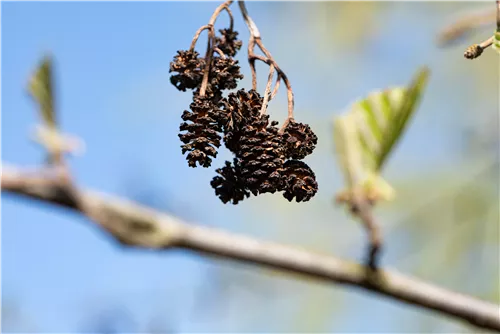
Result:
[[465, 24], [138, 226]]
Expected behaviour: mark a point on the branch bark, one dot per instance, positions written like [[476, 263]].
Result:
[[138, 226]]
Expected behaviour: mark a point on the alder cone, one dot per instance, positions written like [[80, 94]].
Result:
[[261, 156], [229, 185], [228, 42], [299, 140], [242, 108], [225, 73], [202, 125], [189, 67], [299, 181]]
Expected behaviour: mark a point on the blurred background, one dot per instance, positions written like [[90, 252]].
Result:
[[60, 274]]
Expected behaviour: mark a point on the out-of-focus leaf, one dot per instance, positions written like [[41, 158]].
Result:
[[496, 40], [41, 89], [348, 149], [367, 133]]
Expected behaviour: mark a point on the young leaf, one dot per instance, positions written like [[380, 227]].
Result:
[[40, 87], [409, 102], [367, 133], [347, 149], [496, 41]]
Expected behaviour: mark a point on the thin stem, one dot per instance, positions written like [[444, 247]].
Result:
[[475, 50], [211, 43], [208, 61], [231, 17], [197, 35], [221, 54], [271, 61], [487, 43], [255, 39], [361, 207], [215, 15], [291, 103], [267, 92], [276, 86], [251, 62], [498, 14], [254, 31]]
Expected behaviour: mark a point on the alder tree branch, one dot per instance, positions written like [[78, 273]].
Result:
[[138, 226]]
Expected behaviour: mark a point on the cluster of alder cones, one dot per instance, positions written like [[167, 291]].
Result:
[[266, 158]]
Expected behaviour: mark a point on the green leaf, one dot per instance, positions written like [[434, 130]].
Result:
[[496, 41], [408, 103], [348, 149], [367, 133], [40, 87]]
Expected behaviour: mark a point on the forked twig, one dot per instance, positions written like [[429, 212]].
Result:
[[255, 39], [211, 41]]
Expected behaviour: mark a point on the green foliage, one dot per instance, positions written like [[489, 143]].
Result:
[[40, 87], [496, 40], [367, 133]]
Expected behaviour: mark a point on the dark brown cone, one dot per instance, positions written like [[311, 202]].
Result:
[[228, 42], [203, 126], [242, 108], [225, 73], [189, 67], [229, 186], [299, 181], [299, 140], [261, 156]]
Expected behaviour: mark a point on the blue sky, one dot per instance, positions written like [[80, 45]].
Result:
[[113, 91]]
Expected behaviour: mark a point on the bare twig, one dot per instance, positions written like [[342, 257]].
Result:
[[139, 226], [363, 209], [497, 10], [225, 6], [211, 42], [197, 35], [255, 39], [267, 92], [276, 86], [221, 54], [461, 27], [251, 62], [475, 50]]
